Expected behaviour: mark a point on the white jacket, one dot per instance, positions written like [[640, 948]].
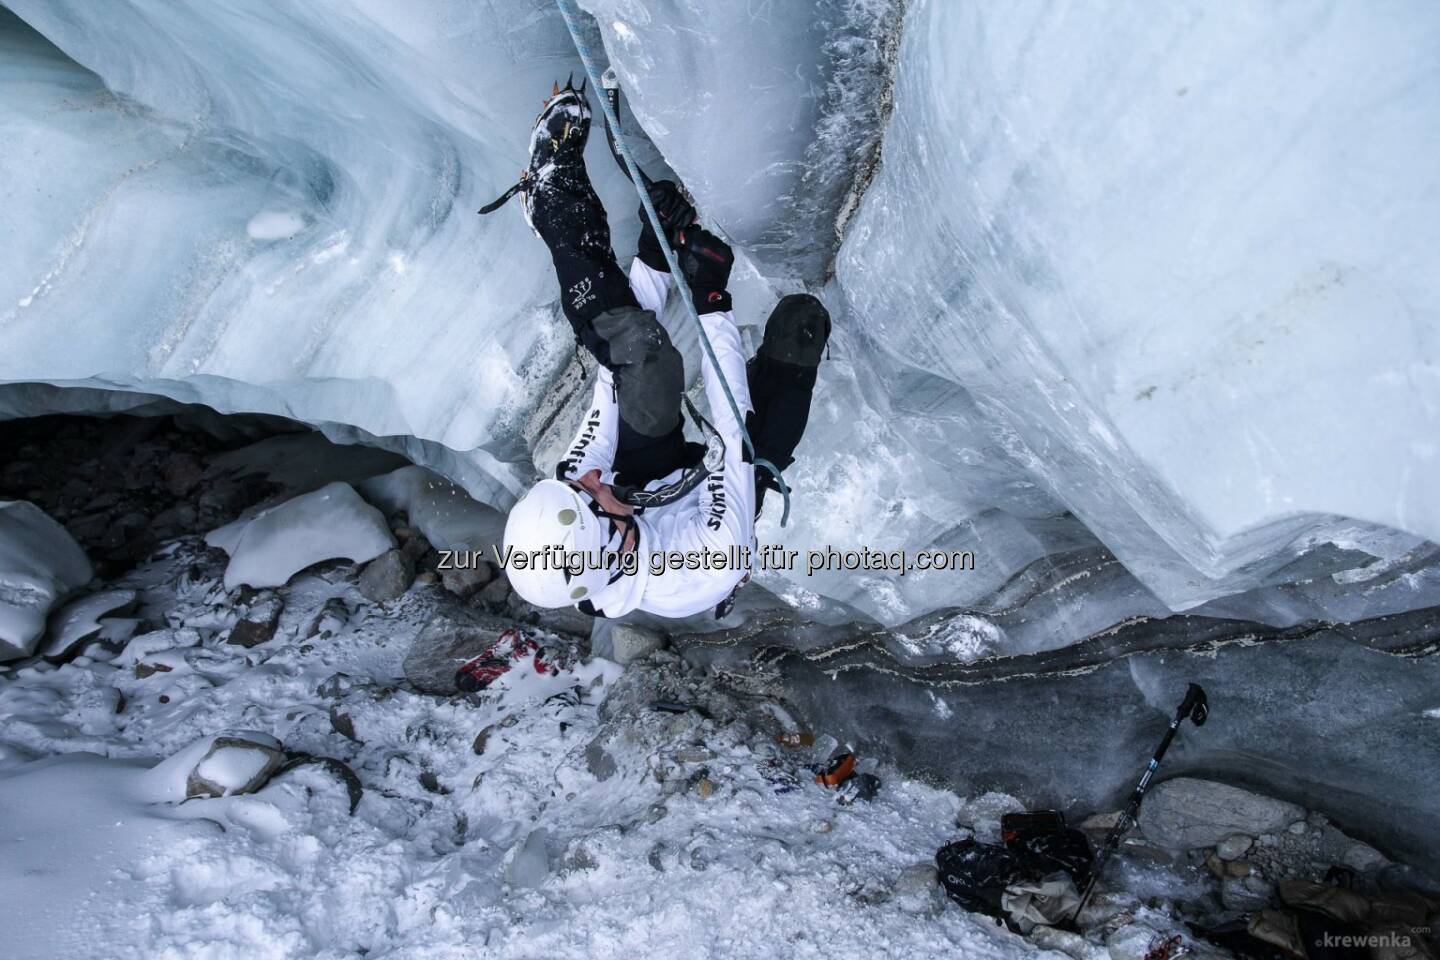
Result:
[[718, 515]]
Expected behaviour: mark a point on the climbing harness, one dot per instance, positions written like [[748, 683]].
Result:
[[638, 178]]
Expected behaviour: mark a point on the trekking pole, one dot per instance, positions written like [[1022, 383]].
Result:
[[1196, 708]]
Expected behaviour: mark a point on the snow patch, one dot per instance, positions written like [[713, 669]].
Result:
[[266, 550], [39, 564]]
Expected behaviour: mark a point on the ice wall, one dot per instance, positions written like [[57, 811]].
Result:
[[271, 209], [1186, 261]]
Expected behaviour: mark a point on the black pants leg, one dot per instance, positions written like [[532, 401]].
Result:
[[596, 298]]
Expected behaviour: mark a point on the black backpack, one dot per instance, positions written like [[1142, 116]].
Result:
[[975, 875]]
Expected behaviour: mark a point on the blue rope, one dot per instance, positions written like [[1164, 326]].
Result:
[[567, 10]]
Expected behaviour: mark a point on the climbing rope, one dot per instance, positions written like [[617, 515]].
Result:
[[568, 11]]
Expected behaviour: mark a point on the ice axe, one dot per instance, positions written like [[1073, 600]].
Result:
[[611, 84], [1195, 708]]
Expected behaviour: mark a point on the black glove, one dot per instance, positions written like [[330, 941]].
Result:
[[705, 260], [675, 213]]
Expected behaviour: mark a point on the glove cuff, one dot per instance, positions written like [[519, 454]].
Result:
[[649, 252], [710, 300]]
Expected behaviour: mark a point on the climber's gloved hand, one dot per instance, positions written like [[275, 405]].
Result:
[[705, 260], [676, 214]]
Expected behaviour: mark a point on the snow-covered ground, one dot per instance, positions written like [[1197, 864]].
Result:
[[687, 847]]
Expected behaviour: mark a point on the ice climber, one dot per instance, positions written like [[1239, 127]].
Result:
[[630, 483]]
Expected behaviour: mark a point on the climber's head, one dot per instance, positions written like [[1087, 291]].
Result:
[[575, 517]]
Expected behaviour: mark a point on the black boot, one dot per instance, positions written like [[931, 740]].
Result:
[[562, 208], [782, 378]]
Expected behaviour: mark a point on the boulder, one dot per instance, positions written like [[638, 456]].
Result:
[[1246, 894], [1363, 858], [1188, 813], [464, 582], [1131, 942], [387, 577], [330, 523], [415, 547], [1234, 846], [496, 591], [40, 563], [630, 642], [233, 765], [182, 473], [80, 620], [260, 621]]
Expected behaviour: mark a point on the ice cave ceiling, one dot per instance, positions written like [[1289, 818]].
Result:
[[1151, 286]]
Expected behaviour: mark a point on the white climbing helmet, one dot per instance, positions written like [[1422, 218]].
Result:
[[554, 514]]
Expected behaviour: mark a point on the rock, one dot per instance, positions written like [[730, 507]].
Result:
[[631, 642], [1246, 894], [260, 622], [330, 620], [529, 861], [335, 686], [598, 761], [181, 473], [917, 890], [1101, 822], [1239, 868], [464, 582], [171, 521], [414, 547], [341, 723], [232, 766], [1234, 846], [703, 852], [432, 783], [387, 577], [1130, 942], [75, 490], [1298, 828], [40, 563], [146, 668], [337, 769], [1188, 813], [705, 788], [274, 544], [120, 531], [1067, 942], [496, 592], [426, 577], [482, 740], [1361, 857]]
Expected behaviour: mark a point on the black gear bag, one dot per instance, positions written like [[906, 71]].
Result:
[[975, 874]]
